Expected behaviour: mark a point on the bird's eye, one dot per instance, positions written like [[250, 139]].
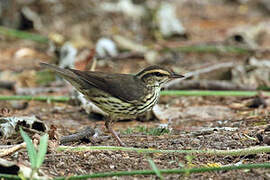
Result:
[[159, 74]]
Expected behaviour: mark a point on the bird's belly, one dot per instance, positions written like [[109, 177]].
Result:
[[121, 109]]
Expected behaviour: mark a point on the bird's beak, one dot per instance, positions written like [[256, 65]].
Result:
[[175, 76]]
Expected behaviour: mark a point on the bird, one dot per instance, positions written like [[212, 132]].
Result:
[[120, 96]]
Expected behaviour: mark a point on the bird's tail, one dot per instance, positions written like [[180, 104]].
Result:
[[68, 75]]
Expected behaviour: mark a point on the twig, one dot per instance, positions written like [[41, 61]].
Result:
[[11, 149], [85, 133], [23, 35], [233, 152], [209, 85], [93, 65], [200, 71]]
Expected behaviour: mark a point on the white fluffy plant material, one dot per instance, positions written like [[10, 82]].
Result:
[[67, 55], [167, 21], [126, 7], [106, 48]]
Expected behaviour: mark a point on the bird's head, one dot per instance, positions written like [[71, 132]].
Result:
[[156, 75]]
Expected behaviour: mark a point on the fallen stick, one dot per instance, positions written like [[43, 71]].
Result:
[[7, 150], [84, 134]]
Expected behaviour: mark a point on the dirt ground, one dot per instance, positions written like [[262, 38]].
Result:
[[196, 122], [186, 134]]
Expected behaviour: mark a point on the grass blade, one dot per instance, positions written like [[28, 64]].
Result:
[[167, 171], [42, 150], [155, 168], [151, 172], [23, 35], [32, 153]]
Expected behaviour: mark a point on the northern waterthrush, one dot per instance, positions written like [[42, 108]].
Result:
[[119, 95]]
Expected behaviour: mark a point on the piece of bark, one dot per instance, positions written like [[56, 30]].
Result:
[[84, 134]]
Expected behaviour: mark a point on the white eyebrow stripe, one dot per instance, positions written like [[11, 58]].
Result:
[[153, 71]]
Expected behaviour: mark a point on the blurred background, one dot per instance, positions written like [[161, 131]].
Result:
[[126, 35], [217, 44]]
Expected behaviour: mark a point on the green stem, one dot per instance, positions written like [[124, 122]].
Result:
[[9, 176], [36, 98], [210, 93], [151, 172], [168, 171], [23, 35], [165, 93], [234, 152], [155, 169]]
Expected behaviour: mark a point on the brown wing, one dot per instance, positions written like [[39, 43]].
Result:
[[123, 86]]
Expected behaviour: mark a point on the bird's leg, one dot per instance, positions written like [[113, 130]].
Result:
[[108, 124]]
